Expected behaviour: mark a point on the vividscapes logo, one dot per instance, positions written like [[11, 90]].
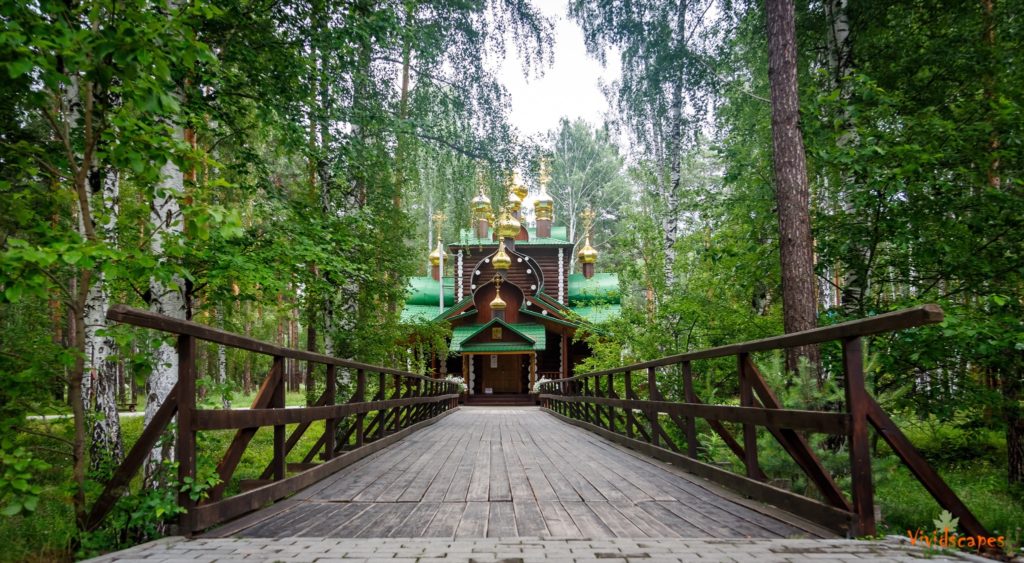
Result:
[[944, 535]]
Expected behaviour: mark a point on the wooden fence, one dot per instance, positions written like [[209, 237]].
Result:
[[590, 401], [354, 427]]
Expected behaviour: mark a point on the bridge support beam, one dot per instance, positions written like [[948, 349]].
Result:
[[860, 449]]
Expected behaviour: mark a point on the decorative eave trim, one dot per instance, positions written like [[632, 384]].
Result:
[[551, 318], [459, 307], [544, 301]]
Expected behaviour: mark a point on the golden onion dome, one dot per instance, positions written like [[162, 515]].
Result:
[[519, 189], [587, 254], [501, 260], [435, 256], [515, 203], [481, 204], [508, 226], [544, 204], [498, 304]]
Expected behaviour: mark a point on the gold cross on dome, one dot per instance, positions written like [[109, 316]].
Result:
[[545, 171], [439, 221], [588, 219]]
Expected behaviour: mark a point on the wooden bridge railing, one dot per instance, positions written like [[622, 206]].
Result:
[[590, 401], [354, 427]]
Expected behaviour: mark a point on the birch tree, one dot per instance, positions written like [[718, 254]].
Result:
[[586, 171], [662, 95]]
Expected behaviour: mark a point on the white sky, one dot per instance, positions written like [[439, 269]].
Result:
[[569, 88]]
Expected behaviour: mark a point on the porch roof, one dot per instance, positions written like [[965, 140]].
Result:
[[533, 332]]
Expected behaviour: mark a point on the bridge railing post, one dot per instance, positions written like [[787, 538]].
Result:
[[860, 452], [419, 393], [278, 402], [186, 445], [331, 424], [749, 430], [627, 377], [589, 409], [612, 415], [691, 423], [652, 413], [360, 398], [395, 394]]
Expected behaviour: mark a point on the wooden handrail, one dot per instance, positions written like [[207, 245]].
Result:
[[225, 419], [147, 319], [896, 320], [804, 420], [590, 401], [430, 398]]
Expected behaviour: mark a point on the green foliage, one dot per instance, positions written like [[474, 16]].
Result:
[[19, 493], [586, 171]]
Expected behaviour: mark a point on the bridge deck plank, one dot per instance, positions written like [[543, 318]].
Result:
[[490, 472]]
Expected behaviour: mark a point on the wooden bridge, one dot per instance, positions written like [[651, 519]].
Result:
[[398, 458]]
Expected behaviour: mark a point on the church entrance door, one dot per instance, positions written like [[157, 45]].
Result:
[[503, 373]]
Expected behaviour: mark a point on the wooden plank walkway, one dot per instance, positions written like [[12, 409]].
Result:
[[514, 472]]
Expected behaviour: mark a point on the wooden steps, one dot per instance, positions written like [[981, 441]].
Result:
[[501, 400]]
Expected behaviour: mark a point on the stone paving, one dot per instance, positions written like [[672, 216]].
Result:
[[524, 550]]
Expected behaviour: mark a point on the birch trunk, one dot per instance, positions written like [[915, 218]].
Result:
[[855, 277], [791, 188], [101, 368], [70, 105], [165, 299], [222, 363], [670, 223]]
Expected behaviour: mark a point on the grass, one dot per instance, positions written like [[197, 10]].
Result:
[[972, 462], [980, 485], [244, 400]]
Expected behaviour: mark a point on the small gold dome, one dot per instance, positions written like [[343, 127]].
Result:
[[587, 254], [435, 256], [481, 204], [508, 226], [498, 304], [515, 202], [501, 260], [518, 188], [544, 204]]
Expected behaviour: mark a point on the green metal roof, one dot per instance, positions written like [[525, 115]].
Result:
[[492, 347], [598, 313], [418, 313], [559, 235], [531, 331], [601, 287], [423, 290], [551, 318]]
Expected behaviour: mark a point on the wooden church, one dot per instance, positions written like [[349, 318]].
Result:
[[512, 304]]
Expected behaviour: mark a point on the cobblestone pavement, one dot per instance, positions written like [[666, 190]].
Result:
[[522, 550]]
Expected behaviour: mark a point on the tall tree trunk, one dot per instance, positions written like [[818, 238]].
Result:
[[791, 189], [165, 299], [1013, 415], [855, 280], [248, 358], [222, 362], [75, 105], [1012, 376], [106, 446], [670, 223], [311, 346]]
